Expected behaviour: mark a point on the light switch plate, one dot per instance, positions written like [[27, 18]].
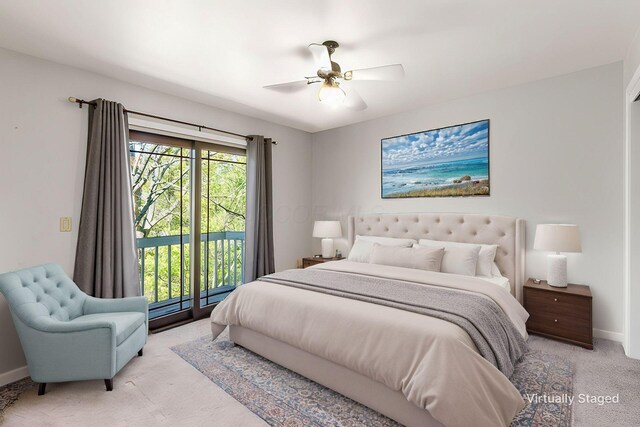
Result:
[[65, 224]]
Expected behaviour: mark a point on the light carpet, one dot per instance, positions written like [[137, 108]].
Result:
[[157, 389], [160, 388], [603, 371]]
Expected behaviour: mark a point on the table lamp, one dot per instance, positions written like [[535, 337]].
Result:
[[557, 238], [327, 230]]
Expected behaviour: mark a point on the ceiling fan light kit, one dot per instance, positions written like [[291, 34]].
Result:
[[331, 94], [330, 75]]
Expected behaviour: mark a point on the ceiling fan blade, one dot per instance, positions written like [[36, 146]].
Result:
[[386, 72], [320, 56], [289, 87], [353, 100]]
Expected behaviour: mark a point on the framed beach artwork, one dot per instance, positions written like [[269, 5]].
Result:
[[446, 162]]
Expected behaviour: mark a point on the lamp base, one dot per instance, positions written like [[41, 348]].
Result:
[[557, 271], [327, 248]]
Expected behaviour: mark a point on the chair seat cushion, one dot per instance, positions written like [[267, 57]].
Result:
[[126, 323]]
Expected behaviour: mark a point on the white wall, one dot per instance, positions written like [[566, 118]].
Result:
[[43, 139], [632, 114], [556, 156]]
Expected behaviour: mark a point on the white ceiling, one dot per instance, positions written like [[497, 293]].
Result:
[[222, 52]]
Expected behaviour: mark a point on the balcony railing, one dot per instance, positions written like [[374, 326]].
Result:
[[165, 269]]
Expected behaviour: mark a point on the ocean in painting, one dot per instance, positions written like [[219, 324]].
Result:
[[436, 175], [451, 161]]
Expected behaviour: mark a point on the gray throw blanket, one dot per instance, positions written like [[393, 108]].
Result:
[[496, 338]]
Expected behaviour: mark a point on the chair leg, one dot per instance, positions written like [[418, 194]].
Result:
[[109, 384], [140, 352], [41, 388]]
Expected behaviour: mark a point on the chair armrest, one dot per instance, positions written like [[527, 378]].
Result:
[[65, 351], [94, 305]]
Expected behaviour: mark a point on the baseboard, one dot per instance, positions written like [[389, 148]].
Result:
[[613, 336], [14, 375]]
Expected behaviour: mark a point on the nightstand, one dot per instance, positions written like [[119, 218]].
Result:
[[562, 314], [309, 261]]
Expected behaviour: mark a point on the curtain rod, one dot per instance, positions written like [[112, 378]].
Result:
[[200, 127]]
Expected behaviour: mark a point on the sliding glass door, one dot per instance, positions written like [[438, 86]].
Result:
[[223, 194], [185, 192]]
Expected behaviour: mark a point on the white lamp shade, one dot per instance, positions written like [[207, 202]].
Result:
[[327, 229], [331, 95], [557, 238]]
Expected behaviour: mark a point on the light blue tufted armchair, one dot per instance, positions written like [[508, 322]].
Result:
[[68, 335]]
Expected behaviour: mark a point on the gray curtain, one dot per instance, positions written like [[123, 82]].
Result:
[[258, 256], [106, 256]]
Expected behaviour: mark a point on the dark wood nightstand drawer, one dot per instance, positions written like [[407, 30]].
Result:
[[560, 326], [563, 305]]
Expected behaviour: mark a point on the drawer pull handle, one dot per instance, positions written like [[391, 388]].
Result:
[[555, 320], [555, 299]]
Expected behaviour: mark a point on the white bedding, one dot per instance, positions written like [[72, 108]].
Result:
[[434, 363], [503, 282]]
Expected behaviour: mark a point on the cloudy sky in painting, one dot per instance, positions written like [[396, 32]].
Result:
[[468, 141]]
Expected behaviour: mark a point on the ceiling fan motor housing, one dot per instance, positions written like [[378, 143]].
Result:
[[331, 48]]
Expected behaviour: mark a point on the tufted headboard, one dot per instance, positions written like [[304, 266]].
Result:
[[507, 232]]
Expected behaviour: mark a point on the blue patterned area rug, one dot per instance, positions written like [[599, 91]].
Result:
[[283, 398]]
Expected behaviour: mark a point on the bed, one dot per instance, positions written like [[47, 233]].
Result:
[[416, 369]]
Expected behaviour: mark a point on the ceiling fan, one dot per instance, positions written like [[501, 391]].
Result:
[[331, 76]]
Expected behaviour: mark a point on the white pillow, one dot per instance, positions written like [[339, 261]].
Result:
[[363, 246], [486, 257], [421, 258], [495, 270], [459, 260]]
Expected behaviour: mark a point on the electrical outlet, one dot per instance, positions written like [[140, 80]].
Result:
[[65, 224]]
